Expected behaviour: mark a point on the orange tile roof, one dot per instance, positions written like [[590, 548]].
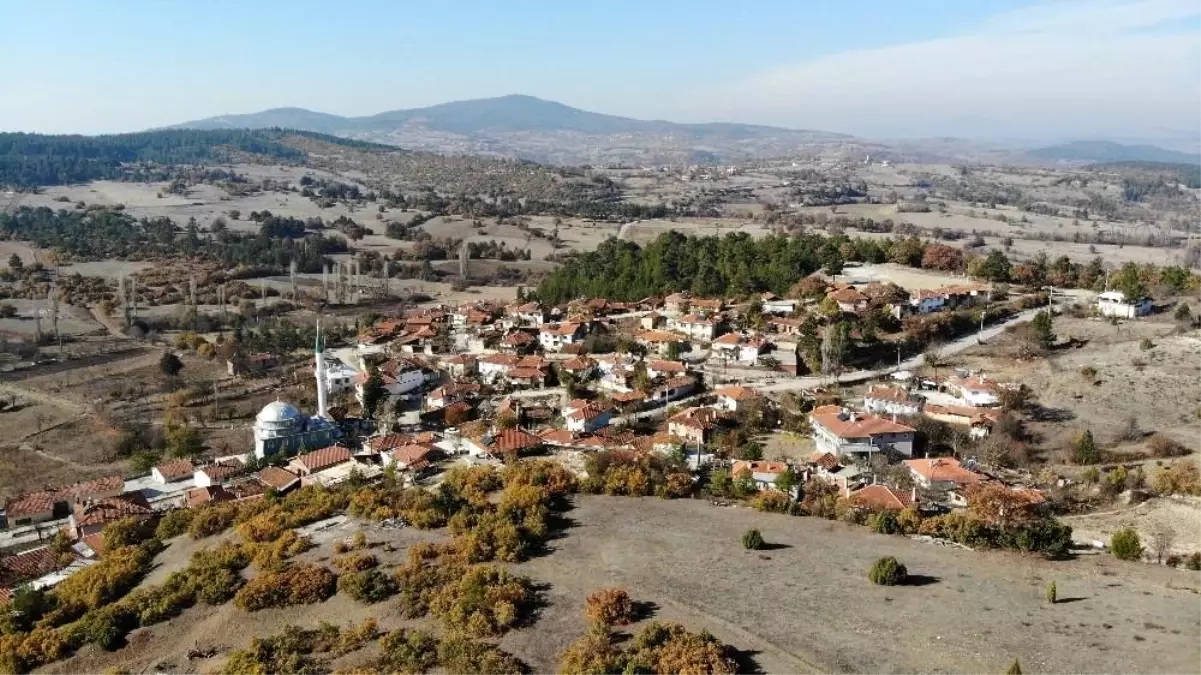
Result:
[[667, 366], [28, 565], [219, 472], [847, 295], [87, 489], [324, 458], [757, 467], [881, 498], [628, 397], [855, 425], [204, 495], [943, 469], [738, 393], [656, 336], [109, 509], [589, 412], [557, 436], [825, 460], [176, 468], [525, 373], [511, 440], [408, 454], [278, 478], [579, 363], [696, 418], [28, 505], [729, 339], [95, 541], [883, 392], [518, 339], [501, 359]]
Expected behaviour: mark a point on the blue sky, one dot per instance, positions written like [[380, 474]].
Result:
[[977, 68]]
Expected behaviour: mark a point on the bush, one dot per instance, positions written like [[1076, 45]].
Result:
[[1088, 373], [1194, 562], [752, 540], [1173, 561], [1160, 445], [407, 651], [670, 648], [884, 522], [174, 523], [592, 653], [1179, 478], [300, 585], [485, 602], [1052, 596], [212, 519], [909, 520], [357, 562], [368, 587], [458, 654], [1015, 668], [609, 606], [1125, 545], [430, 568], [887, 572], [126, 532], [771, 501]]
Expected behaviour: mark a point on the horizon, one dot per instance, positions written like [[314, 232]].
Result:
[[1008, 71]]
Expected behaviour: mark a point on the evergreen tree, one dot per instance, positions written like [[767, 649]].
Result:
[[1085, 450], [373, 393]]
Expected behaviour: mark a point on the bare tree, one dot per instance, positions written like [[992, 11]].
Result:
[[1161, 539]]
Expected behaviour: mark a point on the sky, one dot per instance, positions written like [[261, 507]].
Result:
[[987, 69]]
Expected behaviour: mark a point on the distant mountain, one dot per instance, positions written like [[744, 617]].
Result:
[[1108, 151], [545, 131]]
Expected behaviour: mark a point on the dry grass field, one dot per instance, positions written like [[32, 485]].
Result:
[[804, 605]]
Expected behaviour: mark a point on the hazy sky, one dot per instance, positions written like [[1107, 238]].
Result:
[[882, 68]]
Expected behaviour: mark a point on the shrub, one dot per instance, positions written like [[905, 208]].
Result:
[[300, 585], [407, 651], [887, 572], [107, 580], [1125, 545], [1146, 344], [1160, 445], [212, 519], [368, 586], [592, 653], [609, 606], [1179, 478], [670, 648], [1051, 594], [356, 562], [884, 522], [771, 501], [1194, 562], [752, 540], [273, 557], [1088, 373], [174, 523], [909, 520], [1015, 668], [1084, 449], [126, 532], [1173, 561], [458, 654], [430, 568], [486, 601]]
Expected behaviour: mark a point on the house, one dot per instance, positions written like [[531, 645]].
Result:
[[461, 366], [763, 474], [662, 368], [888, 400], [693, 425], [400, 376], [777, 306], [1115, 303], [494, 367], [27, 567], [502, 442], [883, 498], [588, 417], [976, 391], [734, 398], [527, 377], [677, 303], [658, 341], [966, 295], [674, 388], [30, 509], [942, 473], [581, 367], [90, 517], [531, 314], [251, 365], [319, 460], [628, 400], [418, 340], [849, 299], [843, 432], [652, 321], [553, 337], [216, 474], [518, 342], [411, 457], [739, 347], [176, 469], [925, 302], [698, 326], [41, 506], [339, 377], [278, 479], [451, 393]]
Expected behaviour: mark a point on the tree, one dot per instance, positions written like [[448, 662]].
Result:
[[998, 505], [373, 392], [1042, 331], [995, 267], [752, 540], [787, 480], [15, 263], [1161, 540], [1183, 313], [673, 350], [1015, 668], [1126, 545], [170, 364], [887, 572], [183, 440], [1084, 450], [609, 606]]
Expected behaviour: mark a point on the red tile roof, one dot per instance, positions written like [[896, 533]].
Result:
[[657, 336], [526, 374], [204, 495], [409, 454], [696, 418], [589, 411], [738, 393], [91, 488], [740, 466], [943, 469], [176, 468], [324, 458], [511, 440], [662, 366], [219, 472], [109, 509], [881, 498], [854, 425], [31, 564], [518, 339], [275, 477], [847, 295], [29, 505]]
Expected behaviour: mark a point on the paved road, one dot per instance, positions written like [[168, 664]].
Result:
[[948, 349]]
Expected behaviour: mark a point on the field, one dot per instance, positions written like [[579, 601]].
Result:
[[805, 605]]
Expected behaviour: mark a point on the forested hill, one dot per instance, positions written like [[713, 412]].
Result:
[[29, 160]]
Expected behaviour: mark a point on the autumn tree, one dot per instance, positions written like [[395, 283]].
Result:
[[999, 505]]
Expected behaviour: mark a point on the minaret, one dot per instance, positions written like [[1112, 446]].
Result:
[[319, 355]]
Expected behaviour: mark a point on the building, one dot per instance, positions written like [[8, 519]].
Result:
[[763, 474], [694, 425], [658, 341], [281, 428], [888, 400], [777, 306], [339, 377], [554, 336], [698, 326], [1116, 304], [883, 498], [849, 299], [926, 302], [663, 368], [216, 474], [502, 442], [319, 460], [44, 505], [251, 365], [494, 367], [976, 391], [734, 398], [411, 457], [91, 516], [279, 479], [531, 314], [844, 432], [461, 366], [588, 417], [176, 469], [674, 388], [518, 342], [942, 473]]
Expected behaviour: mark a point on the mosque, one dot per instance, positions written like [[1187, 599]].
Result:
[[281, 427]]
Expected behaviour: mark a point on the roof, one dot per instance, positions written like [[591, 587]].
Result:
[[565, 328], [628, 397], [656, 336], [217, 472], [460, 360], [825, 460], [275, 477], [204, 495], [518, 339], [509, 440], [530, 307], [696, 319], [176, 468], [881, 498], [525, 373], [980, 383], [737, 392], [578, 363], [32, 504], [27, 565], [943, 469], [86, 489], [887, 393], [757, 467], [557, 436], [729, 339], [109, 509], [409, 454], [696, 418], [324, 458], [847, 295], [589, 412], [573, 348], [667, 366], [853, 425], [501, 359]]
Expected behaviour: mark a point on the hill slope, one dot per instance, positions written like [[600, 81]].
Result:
[[532, 128], [1107, 151]]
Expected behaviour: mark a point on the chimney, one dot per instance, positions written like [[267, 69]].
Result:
[[846, 489], [913, 494]]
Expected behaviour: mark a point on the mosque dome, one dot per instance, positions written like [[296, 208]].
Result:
[[279, 415]]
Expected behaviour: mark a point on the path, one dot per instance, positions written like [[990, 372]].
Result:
[[107, 322]]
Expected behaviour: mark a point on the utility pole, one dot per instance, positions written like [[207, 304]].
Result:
[[52, 294], [292, 278], [216, 399]]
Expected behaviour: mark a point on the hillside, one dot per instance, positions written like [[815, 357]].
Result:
[[531, 128], [1108, 151]]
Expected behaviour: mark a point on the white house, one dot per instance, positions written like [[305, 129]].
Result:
[[693, 425], [849, 299], [697, 326], [587, 418], [888, 400], [176, 469], [1115, 303], [925, 302], [531, 314], [663, 368], [494, 367], [976, 391], [339, 377], [778, 306], [553, 337], [844, 432], [734, 398], [763, 474]]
